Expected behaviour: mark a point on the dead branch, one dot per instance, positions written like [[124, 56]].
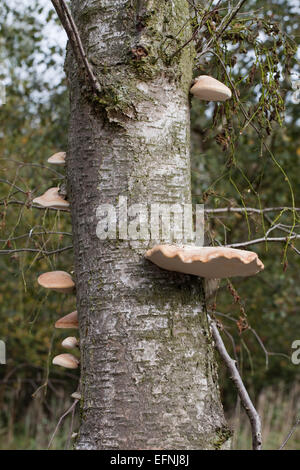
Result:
[[259, 340], [31, 233], [239, 385], [70, 27], [265, 239], [224, 25], [250, 210], [69, 410], [30, 206], [290, 434], [35, 250]]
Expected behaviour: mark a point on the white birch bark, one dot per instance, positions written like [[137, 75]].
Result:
[[148, 371]]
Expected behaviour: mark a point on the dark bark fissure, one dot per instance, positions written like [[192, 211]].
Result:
[[148, 373]]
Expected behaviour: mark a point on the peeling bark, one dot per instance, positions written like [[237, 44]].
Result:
[[148, 371]]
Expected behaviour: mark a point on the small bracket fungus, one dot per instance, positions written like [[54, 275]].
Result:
[[68, 321], [51, 198], [208, 262], [209, 89], [76, 395], [58, 158], [66, 360], [59, 281], [70, 342]]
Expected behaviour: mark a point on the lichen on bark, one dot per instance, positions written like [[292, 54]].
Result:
[[148, 371]]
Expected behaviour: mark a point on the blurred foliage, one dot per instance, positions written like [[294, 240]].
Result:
[[230, 168], [33, 126]]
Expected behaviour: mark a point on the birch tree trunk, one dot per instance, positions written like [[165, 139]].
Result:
[[148, 371]]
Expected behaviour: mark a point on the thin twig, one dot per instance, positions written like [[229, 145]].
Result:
[[31, 233], [24, 164], [254, 332], [35, 250], [67, 446], [30, 206], [243, 394], [224, 24], [73, 406], [263, 240], [290, 434]]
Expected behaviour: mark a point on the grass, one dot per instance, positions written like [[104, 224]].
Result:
[[33, 428], [279, 409]]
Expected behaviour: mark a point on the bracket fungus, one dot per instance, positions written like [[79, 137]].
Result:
[[68, 321], [70, 342], [66, 360], [51, 198], [59, 281], [58, 158], [208, 262], [209, 89]]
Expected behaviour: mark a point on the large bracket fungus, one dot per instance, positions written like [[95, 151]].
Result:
[[66, 360], [51, 198], [209, 89], [59, 281], [208, 262]]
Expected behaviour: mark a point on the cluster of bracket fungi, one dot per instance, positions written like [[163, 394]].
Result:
[[206, 262], [60, 281]]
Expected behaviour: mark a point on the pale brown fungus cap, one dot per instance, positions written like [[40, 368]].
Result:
[[208, 262], [209, 89], [66, 360], [59, 281], [51, 198], [58, 158], [68, 321]]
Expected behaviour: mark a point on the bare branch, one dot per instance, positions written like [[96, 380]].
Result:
[[24, 164], [35, 250], [70, 27], [30, 206], [32, 233], [221, 210], [254, 332], [243, 394], [265, 239], [224, 25], [13, 185], [290, 434], [72, 407]]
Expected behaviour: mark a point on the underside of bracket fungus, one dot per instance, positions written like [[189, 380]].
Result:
[[59, 281], [70, 342], [58, 158], [209, 89], [68, 321], [51, 198], [208, 262], [66, 360]]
